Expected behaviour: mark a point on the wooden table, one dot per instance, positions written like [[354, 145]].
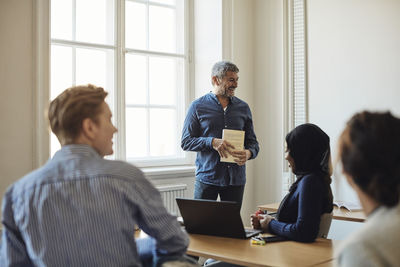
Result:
[[330, 263], [242, 252], [338, 214]]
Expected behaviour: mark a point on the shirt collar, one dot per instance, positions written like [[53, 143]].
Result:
[[75, 150], [233, 99]]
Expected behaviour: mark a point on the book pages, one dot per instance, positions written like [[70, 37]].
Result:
[[236, 138], [350, 206]]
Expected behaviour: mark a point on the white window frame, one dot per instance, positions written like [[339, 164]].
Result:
[[42, 89], [295, 82]]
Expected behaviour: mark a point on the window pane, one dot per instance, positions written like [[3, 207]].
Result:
[[61, 79], [61, 69], [154, 85], [95, 21], [163, 132], [135, 25], [61, 19], [91, 67], [136, 132], [135, 79], [162, 29], [166, 77], [54, 144]]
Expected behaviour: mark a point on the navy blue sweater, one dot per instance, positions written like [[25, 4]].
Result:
[[300, 215]]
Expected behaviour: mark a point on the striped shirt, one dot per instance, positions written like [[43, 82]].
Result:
[[80, 210]]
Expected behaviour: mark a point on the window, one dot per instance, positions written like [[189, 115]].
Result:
[[138, 51], [296, 73], [299, 64]]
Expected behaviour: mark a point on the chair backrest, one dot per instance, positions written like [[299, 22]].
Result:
[[325, 224]]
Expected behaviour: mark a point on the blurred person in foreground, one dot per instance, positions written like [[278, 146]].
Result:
[[310, 198], [80, 209], [369, 151]]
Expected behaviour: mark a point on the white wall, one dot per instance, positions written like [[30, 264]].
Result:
[[16, 83], [268, 100], [241, 51], [208, 42], [353, 49], [353, 57]]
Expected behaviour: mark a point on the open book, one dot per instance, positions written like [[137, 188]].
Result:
[[350, 206], [236, 138]]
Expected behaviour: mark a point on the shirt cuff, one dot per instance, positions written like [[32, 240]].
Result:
[[252, 153], [209, 142]]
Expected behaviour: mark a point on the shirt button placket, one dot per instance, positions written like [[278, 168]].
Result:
[[226, 125]]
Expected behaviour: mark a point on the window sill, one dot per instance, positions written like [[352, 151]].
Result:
[[155, 173]]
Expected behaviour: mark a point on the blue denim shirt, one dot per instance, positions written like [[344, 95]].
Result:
[[204, 121]]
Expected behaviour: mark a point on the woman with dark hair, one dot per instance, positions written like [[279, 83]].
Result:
[[369, 150], [310, 196]]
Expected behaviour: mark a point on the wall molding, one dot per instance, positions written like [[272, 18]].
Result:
[[41, 76]]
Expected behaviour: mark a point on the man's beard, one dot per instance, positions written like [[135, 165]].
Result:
[[228, 92]]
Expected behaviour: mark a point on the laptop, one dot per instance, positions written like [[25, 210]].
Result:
[[209, 217]]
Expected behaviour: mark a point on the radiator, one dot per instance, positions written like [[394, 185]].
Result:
[[168, 193]]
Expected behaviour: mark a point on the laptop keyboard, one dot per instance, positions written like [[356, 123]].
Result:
[[251, 232]]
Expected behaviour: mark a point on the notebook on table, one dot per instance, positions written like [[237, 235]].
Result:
[[209, 217]]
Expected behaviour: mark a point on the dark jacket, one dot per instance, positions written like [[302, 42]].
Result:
[[301, 210]]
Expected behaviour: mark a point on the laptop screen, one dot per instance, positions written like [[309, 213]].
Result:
[[209, 217]]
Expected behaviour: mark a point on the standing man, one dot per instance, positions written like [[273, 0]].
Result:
[[80, 209], [202, 132]]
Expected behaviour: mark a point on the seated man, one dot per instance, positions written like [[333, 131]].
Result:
[[80, 209]]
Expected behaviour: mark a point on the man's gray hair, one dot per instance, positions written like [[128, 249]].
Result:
[[222, 67]]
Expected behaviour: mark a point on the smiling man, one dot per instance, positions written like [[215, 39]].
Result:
[[80, 209], [202, 133]]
